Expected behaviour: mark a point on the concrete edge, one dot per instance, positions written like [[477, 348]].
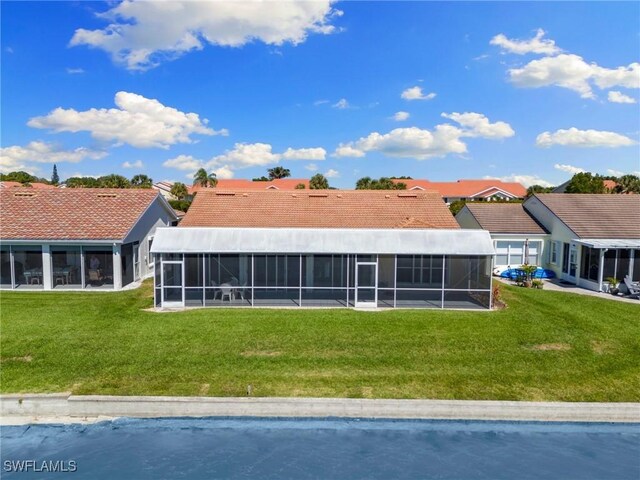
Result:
[[66, 408]]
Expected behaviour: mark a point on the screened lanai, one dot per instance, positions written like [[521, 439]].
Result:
[[305, 267]]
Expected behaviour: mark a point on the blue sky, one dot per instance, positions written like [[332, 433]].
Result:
[[531, 92]]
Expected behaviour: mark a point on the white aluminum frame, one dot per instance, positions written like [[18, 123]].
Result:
[[367, 303], [162, 286]]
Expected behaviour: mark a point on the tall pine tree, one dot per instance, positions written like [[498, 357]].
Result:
[[55, 179]]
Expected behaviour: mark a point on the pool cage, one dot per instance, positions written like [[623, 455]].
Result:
[[383, 280]]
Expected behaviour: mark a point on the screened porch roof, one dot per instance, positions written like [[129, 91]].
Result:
[[322, 240], [609, 242]]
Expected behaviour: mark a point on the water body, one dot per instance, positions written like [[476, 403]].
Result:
[[258, 448]]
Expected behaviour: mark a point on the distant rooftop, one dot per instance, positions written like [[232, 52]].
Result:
[[467, 188]]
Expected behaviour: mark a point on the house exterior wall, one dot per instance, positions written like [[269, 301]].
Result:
[[561, 234], [157, 215], [466, 220]]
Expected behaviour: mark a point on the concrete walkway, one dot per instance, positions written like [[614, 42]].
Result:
[[555, 285], [66, 408]]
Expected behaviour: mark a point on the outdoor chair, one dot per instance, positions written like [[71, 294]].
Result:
[[634, 290], [227, 291], [95, 276], [241, 289]]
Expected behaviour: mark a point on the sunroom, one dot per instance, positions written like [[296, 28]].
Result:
[[322, 267]]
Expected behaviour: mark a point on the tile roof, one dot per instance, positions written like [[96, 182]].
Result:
[[34, 185], [318, 209], [466, 188], [71, 213], [245, 184], [603, 215], [504, 218]]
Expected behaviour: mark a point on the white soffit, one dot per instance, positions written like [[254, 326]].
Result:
[[311, 240]]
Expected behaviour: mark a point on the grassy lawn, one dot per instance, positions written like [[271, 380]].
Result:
[[544, 346]]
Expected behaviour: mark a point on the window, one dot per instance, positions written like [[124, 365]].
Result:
[[150, 263], [553, 252], [534, 253]]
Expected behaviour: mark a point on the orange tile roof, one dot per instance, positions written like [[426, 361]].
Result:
[[245, 184], [34, 185], [71, 213], [318, 209], [466, 188]]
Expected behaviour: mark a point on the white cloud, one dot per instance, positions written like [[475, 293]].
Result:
[[526, 180], [75, 71], [224, 172], [568, 168], [320, 102], [619, 173], [583, 138], [184, 162], [138, 121], [243, 155], [619, 97], [143, 34], [341, 104], [136, 164], [331, 173], [477, 125], [304, 154], [572, 72], [347, 150], [17, 157], [421, 144], [415, 93], [521, 47], [312, 167], [401, 116]]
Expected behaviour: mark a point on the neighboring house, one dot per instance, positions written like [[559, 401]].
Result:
[[93, 238], [327, 248], [470, 190], [237, 184], [34, 185], [591, 236], [518, 238], [562, 188]]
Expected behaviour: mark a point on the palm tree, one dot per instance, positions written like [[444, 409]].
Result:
[[141, 181], [179, 190], [204, 179], [318, 182], [278, 172], [364, 183]]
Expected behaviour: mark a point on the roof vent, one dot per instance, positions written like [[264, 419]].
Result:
[[24, 194], [294, 195], [318, 195], [245, 194], [339, 196], [226, 193], [410, 195], [107, 195]]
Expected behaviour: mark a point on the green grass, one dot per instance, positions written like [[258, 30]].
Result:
[[544, 346]]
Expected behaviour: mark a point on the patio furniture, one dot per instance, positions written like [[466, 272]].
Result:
[[634, 290], [227, 291], [95, 276], [241, 290]]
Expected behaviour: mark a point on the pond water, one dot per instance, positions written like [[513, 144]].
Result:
[[260, 448]]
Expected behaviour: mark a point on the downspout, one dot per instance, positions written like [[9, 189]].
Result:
[[601, 267]]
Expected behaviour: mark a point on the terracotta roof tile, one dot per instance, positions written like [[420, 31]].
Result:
[[34, 185], [71, 213], [245, 184], [466, 188], [504, 218], [318, 209], [603, 215]]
